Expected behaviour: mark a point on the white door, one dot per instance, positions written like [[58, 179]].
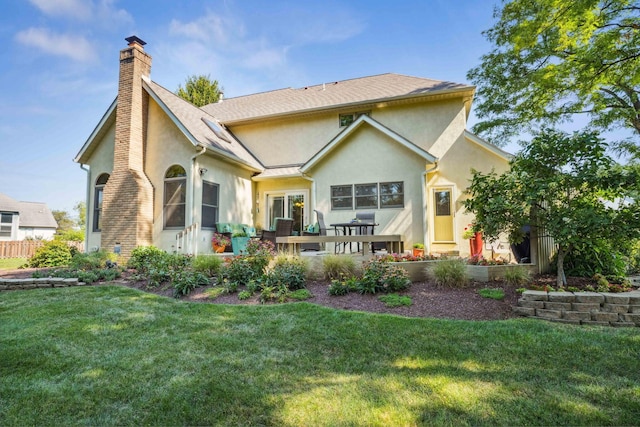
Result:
[[288, 205]]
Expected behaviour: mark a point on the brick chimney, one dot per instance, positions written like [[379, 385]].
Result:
[[128, 195]]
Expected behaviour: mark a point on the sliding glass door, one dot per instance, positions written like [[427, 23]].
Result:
[[288, 205]]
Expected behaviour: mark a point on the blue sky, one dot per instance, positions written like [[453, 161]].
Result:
[[60, 62]]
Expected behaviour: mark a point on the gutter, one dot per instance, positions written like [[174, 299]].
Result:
[[192, 182], [87, 215]]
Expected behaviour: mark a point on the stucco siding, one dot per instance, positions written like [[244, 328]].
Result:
[[368, 156], [100, 161]]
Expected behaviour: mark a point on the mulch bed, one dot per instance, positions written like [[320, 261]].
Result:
[[428, 300]]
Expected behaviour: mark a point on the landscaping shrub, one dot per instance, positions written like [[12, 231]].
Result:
[[240, 271], [380, 276], [517, 276], [343, 287], [184, 281], [300, 294], [91, 261], [145, 257], [338, 266], [53, 253], [597, 257], [287, 271], [450, 273], [209, 265]]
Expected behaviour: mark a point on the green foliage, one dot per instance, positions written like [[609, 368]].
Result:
[[64, 220], [451, 273], [244, 295], [53, 253], [184, 281], [71, 235], [596, 257], [86, 276], [343, 287], [240, 271], [300, 294], [200, 90], [338, 266], [144, 257], [287, 272], [517, 276], [207, 264], [92, 260], [564, 184], [554, 59], [493, 293], [380, 276], [395, 300]]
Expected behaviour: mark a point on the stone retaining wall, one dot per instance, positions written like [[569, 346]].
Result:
[[582, 308], [45, 282]]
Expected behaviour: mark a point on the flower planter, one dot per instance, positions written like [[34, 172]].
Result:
[[418, 252], [475, 244], [418, 270], [239, 245], [487, 273], [218, 249]]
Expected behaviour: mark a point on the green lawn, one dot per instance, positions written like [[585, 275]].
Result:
[[11, 263], [112, 355]]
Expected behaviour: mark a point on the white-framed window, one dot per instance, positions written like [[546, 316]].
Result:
[[210, 204], [6, 224], [98, 196], [383, 195], [287, 204], [175, 197], [346, 119]]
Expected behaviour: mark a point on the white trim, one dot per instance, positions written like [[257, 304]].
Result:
[[285, 193], [488, 146], [352, 128]]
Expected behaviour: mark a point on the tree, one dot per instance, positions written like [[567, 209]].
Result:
[[563, 185], [200, 90], [553, 59], [64, 220], [81, 209]]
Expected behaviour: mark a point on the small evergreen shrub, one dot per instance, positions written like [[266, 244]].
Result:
[[395, 300], [338, 266], [492, 293], [53, 253], [450, 273], [517, 276]]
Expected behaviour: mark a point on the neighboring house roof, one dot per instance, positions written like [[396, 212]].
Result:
[[7, 204], [32, 214], [362, 120], [365, 90], [36, 215]]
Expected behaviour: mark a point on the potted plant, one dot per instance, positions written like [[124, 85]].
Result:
[[239, 242], [219, 242], [418, 249], [475, 240]]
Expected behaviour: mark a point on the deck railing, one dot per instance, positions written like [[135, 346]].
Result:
[[187, 240]]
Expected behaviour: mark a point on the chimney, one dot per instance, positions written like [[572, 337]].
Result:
[[128, 195]]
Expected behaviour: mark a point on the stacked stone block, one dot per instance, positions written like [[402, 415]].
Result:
[[44, 282], [582, 308]]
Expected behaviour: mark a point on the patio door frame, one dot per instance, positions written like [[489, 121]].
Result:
[[285, 194], [452, 212]]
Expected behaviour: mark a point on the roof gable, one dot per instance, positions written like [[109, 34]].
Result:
[[365, 90], [361, 121], [488, 146]]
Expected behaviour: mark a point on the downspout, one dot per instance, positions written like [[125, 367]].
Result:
[[192, 181], [423, 185], [87, 216], [313, 191]]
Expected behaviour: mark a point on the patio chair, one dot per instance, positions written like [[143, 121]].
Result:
[[322, 231], [369, 218], [282, 227]]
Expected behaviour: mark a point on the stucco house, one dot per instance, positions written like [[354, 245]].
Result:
[[25, 220], [390, 144]]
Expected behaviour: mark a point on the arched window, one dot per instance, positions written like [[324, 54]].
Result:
[[97, 201], [175, 195]]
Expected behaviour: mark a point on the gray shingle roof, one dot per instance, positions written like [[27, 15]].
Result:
[[330, 95], [195, 121], [32, 214]]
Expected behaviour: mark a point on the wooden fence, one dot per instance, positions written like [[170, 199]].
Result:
[[26, 248]]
